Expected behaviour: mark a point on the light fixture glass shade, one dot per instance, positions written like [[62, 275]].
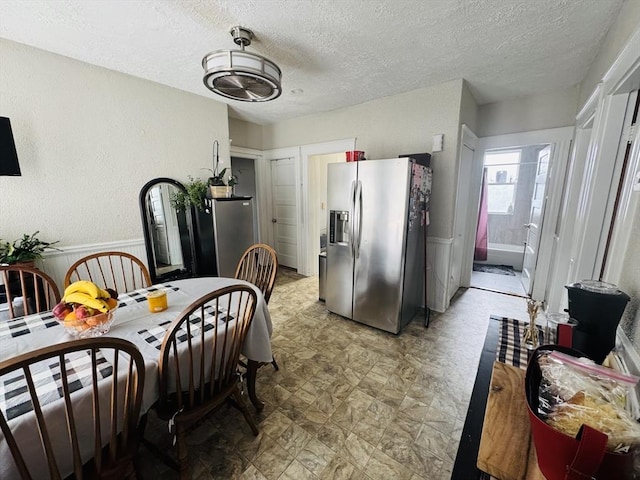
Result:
[[240, 75]]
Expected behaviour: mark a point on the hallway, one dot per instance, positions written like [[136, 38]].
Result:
[[494, 282]]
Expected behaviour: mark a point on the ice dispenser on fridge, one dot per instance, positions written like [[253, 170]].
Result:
[[598, 308], [338, 227]]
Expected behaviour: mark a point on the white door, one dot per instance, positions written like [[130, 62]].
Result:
[[173, 230], [536, 217], [285, 219], [159, 227], [462, 213]]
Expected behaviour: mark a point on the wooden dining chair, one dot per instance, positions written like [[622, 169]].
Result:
[[198, 361], [118, 270], [259, 265], [38, 291], [90, 428]]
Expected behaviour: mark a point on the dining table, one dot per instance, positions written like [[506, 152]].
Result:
[[134, 322]]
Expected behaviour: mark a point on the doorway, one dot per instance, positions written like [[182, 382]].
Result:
[[512, 165], [513, 196], [244, 170], [314, 159], [317, 171], [299, 187], [285, 211]]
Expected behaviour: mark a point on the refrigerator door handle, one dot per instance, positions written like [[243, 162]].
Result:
[[352, 200], [359, 219]]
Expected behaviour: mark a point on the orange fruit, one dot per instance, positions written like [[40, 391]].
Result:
[[112, 302], [71, 317], [97, 319]]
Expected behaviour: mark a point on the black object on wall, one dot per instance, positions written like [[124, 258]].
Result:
[[8, 155]]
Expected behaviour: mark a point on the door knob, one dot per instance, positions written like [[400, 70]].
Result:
[[273, 220], [527, 225]]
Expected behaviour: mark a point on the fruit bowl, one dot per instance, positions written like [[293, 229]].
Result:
[[87, 327]]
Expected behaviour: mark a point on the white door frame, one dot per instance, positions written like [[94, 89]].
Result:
[[466, 210], [561, 138], [627, 211], [266, 225], [561, 260], [616, 176], [600, 162], [307, 263], [261, 194], [597, 144]]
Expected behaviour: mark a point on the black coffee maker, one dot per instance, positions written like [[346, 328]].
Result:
[[598, 307]]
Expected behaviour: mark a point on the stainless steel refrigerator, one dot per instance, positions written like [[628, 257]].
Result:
[[232, 232], [375, 251]]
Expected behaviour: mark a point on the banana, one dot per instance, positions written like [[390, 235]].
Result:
[[87, 300], [83, 286], [104, 294]]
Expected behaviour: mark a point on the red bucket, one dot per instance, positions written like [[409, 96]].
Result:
[[562, 457], [355, 155]]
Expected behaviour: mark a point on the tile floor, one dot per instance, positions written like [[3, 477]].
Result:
[[499, 283], [349, 401]]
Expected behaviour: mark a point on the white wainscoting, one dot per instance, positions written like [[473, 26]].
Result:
[[56, 264], [438, 261]]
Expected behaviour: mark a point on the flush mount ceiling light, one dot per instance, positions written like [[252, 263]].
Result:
[[240, 75]]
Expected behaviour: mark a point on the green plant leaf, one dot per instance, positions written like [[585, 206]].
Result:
[[24, 249], [195, 195]]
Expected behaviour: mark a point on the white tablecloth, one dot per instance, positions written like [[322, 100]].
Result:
[[131, 319]]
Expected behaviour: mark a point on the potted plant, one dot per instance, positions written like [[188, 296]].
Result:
[[24, 250], [217, 187], [217, 180], [232, 181], [195, 195]]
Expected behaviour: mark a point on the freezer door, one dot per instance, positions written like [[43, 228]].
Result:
[[341, 181], [381, 214], [233, 232]]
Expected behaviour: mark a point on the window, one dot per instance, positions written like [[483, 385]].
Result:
[[502, 177]]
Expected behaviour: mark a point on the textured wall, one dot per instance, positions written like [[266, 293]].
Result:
[[626, 23], [88, 139], [387, 128], [526, 114], [468, 108], [245, 134]]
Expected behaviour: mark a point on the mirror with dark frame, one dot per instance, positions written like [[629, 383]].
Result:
[[168, 234]]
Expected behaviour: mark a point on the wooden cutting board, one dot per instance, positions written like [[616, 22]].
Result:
[[506, 448]]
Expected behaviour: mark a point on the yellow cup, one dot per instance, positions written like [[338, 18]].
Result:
[[157, 301]]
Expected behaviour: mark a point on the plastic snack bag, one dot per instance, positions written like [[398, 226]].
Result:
[[577, 391]]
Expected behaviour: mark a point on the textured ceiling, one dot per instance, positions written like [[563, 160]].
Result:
[[338, 52]]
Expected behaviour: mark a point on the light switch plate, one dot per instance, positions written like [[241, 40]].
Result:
[[438, 143]]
